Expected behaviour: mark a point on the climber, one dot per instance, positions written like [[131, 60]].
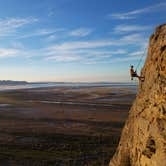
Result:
[[134, 74]]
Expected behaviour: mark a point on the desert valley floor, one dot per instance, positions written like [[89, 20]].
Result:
[[62, 126]]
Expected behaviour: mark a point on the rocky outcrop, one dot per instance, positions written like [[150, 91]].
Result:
[[143, 139]]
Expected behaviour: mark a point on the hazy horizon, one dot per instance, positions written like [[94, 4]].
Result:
[[93, 82]]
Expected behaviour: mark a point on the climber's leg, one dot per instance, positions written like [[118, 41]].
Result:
[[141, 78]]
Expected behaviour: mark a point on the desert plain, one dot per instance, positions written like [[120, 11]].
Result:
[[62, 126]]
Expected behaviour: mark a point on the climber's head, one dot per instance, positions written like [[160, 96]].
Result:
[[132, 66]]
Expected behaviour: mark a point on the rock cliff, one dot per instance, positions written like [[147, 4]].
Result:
[[143, 139]]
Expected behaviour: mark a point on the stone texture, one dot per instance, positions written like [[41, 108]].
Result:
[[143, 139]]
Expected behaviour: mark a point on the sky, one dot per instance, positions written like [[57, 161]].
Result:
[[75, 40]]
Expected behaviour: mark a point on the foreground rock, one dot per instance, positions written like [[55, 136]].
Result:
[[143, 140]]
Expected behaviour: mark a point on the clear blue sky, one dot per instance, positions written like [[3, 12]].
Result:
[[75, 40]]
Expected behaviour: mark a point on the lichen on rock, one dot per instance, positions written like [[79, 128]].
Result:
[[143, 139]]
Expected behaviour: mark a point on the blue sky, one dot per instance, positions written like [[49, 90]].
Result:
[[75, 40]]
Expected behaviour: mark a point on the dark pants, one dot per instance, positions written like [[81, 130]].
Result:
[[134, 75]]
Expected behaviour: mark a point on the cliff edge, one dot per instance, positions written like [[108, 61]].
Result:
[[143, 139]]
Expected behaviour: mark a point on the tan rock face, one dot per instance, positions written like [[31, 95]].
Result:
[[143, 140]]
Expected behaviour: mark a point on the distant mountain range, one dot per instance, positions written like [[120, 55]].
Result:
[[9, 82]]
